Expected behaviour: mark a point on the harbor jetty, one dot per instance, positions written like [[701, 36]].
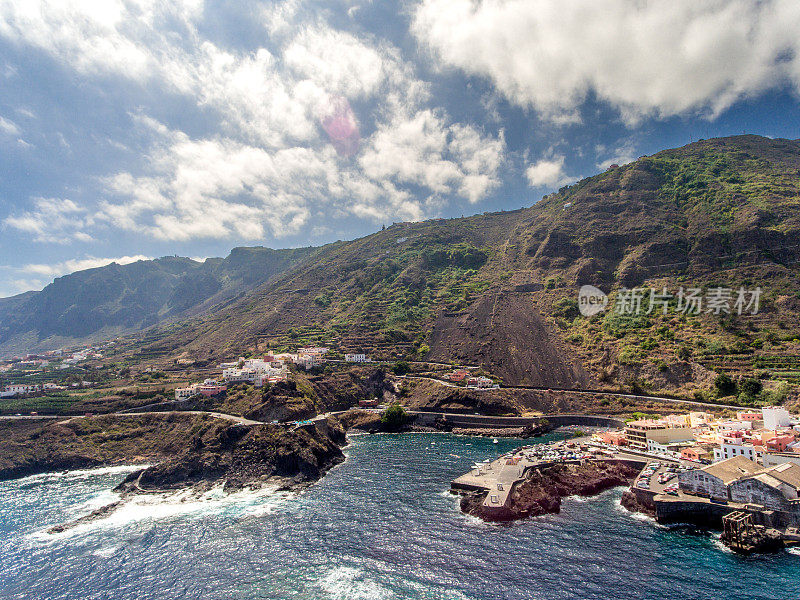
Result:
[[532, 480]]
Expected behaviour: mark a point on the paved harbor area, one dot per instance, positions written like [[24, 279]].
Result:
[[498, 477]]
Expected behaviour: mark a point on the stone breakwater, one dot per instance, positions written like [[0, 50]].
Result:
[[543, 489]]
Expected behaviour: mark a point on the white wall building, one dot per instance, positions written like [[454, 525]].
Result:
[[186, 393], [16, 389], [713, 481], [775, 417], [355, 357], [733, 447], [255, 371]]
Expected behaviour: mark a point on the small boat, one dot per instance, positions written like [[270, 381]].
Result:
[[494, 441]]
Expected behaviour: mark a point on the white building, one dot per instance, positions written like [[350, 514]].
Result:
[[776, 417], [713, 481], [255, 371], [773, 459], [730, 447], [186, 393], [307, 361], [16, 389], [316, 350], [355, 357]]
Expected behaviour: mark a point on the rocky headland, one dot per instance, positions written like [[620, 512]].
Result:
[[187, 452], [543, 489]]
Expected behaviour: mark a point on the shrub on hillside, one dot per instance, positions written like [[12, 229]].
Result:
[[394, 417], [725, 385]]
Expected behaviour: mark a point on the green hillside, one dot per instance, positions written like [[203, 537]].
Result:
[[500, 289]]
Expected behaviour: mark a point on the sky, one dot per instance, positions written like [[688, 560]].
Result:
[[132, 129]]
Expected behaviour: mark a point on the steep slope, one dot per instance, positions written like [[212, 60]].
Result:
[[499, 289], [115, 299]]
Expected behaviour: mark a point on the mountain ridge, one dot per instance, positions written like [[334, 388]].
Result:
[[499, 289], [103, 302]]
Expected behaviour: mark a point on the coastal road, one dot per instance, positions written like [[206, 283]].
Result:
[[588, 393], [219, 415]]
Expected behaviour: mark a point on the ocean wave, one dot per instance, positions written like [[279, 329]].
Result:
[[184, 504], [637, 516], [79, 474], [594, 497], [350, 583]]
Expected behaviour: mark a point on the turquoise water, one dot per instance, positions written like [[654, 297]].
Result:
[[379, 526]]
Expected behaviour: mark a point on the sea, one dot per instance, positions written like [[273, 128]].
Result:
[[382, 525]]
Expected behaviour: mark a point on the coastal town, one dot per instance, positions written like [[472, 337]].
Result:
[[741, 475], [734, 470]]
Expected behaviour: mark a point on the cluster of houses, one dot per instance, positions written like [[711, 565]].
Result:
[[772, 492], [465, 377], [270, 368], [255, 371], [53, 359], [763, 436], [210, 387], [740, 479]]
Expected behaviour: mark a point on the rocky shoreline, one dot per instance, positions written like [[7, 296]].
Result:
[[187, 452], [543, 489]]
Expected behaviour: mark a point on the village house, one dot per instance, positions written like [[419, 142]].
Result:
[[20, 389], [615, 438], [696, 453], [255, 371], [775, 417], [638, 433], [458, 375], [480, 382], [185, 393], [359, 358], [713, 481], [772, 488]]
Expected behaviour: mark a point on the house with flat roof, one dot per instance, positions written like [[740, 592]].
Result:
[[640, 433]]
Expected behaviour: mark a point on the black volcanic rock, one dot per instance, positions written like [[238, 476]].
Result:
[[542, 491], [241, 456]]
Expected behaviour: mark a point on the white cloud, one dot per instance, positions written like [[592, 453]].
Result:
[[215, 188], [645, 58], [8, 127], [548, 172], [268, 166], [53, 220], [423, 150], [77, 264], [621, 155]]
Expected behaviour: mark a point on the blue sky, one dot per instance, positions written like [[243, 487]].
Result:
[[142, 128]]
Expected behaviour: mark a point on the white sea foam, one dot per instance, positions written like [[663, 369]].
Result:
[[720, 546], [599, 496], [186, 504], [636, 515], [105, 552], [80, 473], [349, 583]]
